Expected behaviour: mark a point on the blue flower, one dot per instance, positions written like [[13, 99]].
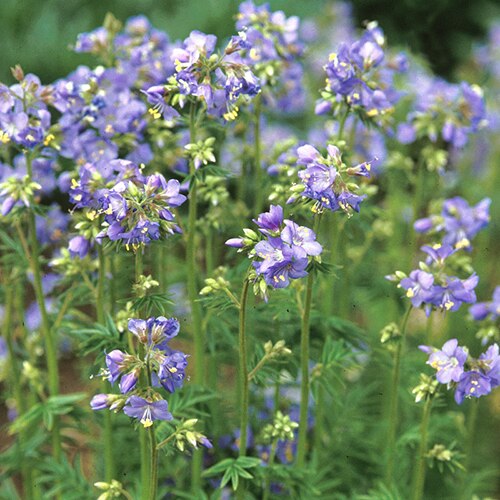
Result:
[[483, 310], [147, 411], [472, 384], [449, 361]]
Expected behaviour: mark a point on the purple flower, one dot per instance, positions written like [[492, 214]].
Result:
[[301, 239], [270, 222], [99, 402], [418, 287], [482, 310], [172, 370], [472, 384], [147, 411], [490, 364], [280, 262], [129, 381], [455, 293], [114, 362], [79, 246], [449, 361]]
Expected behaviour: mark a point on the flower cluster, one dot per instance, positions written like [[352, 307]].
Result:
[[431, 286], [271, 47], [24, 118], [458, 220], [323, 180], [135, 209], [445, 111], [352, 78], [285, 251], [470, 377], [161, 365], [140, 53], [221, 82]]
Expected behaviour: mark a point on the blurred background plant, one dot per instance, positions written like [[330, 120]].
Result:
[[444, 31]]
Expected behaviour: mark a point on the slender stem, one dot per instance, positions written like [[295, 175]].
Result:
[[470, 421], [153, 483], [257, 367], [428, 330], [418, 201], [342, 121], [15, 380], [393, 413], [243, 370], [192, 289], [101, 318], [304, 365], [209, 252], [272, 455], [166, 441], [318, 424], [143, 434], [112, 289], [243, 385], [192, 267], [419, 477], [257, 165], [304, 370], [48, 334]]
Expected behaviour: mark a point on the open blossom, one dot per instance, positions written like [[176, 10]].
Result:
[[468, 376], [449, 361], [284, 253], [135, 209], [419, 287], [458, 221], [358, 76], [326, 180], [147, 411], [432, 287], [270, 46], [158, 363]]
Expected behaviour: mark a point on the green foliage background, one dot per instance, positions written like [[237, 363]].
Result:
[[37, 33]]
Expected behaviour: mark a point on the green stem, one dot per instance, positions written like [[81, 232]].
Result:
[[143, 435], [101, 318], [304, 370], [243, 370], [48, 334], [419, 477], [470, 421], [418, 202], [393, 413], [209, 252], [258, 173], [342, 121], [272, 455], [153, 483], [15, 380], [318, 427], [428, 330], [243, 385], [192, 289], [304, 364]]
